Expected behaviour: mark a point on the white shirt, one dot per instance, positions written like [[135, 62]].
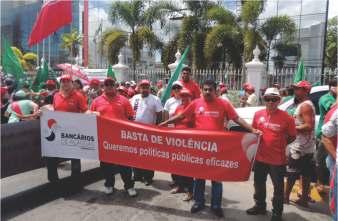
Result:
[[252, 100], [146, 108], [171, 104]]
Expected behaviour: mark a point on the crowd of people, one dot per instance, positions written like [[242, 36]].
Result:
[[289, 148]]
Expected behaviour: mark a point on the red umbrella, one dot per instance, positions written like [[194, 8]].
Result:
[[74, 70]]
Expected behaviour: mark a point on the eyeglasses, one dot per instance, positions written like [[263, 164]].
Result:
[[271, 99]]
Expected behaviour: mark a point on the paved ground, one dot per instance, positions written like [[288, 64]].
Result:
[[28, 197]]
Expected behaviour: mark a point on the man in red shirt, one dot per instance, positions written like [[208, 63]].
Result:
[[67, 100], [278, 130], [209, 113], [190, 84], [114, 106]]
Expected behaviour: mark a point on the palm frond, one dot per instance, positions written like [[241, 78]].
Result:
[[111, 42]]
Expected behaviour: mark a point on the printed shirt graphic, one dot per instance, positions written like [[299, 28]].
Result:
[[275, 128], [146, 108], [210, 115]]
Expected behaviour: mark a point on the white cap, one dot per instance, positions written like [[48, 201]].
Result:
[[177, 83], [272, 91], [132, 83]]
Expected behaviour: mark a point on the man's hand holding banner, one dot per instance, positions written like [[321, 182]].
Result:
[[222, 156]]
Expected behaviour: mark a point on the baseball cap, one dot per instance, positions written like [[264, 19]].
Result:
[[108, 81], [177, 83], [186, 92], [50, 82], [144, 82], [272, 91], [66, 77], [303, 84], [94, 81], [123, 89]]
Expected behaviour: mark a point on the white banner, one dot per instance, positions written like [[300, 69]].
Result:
[[69, 135]]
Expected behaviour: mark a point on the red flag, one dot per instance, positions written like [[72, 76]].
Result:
[[54, 14]]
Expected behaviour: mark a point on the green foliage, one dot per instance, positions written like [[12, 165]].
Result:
[[168, 52], [331, 43], [251, 9], [278, 25], [227, 39], [27, 60], [71, 42], [285, 49], [140, 17], [274, 26], [111, 42]]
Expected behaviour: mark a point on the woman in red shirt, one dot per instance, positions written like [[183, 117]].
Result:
[[183, 182]]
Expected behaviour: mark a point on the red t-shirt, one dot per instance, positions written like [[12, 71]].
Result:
[[275, 128], [327, 119], [210, 115], [186, 122], [75, 102], [193, 88], [118, 107]]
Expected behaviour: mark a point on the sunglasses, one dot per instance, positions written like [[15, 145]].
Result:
[[271, 99], [175, 88]]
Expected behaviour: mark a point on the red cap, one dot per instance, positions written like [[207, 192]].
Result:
[[245, 85], [249, 88], [186, 92], [50, 82], [123, 89], [107, 80], [303, 84], [224, 90], [144, 82], [94, 81], [66, 77]]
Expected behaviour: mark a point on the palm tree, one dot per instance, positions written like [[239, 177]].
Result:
[[112, 41], [251, 9], [224, 40], [27, 60], [274, 26], [139, 18], [71, 42], [194, 30]]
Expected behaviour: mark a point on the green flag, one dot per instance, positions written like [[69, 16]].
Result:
[[110, 72], [317, 83], [300, 74], [9, 61], [41, 77], [174, 76]]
